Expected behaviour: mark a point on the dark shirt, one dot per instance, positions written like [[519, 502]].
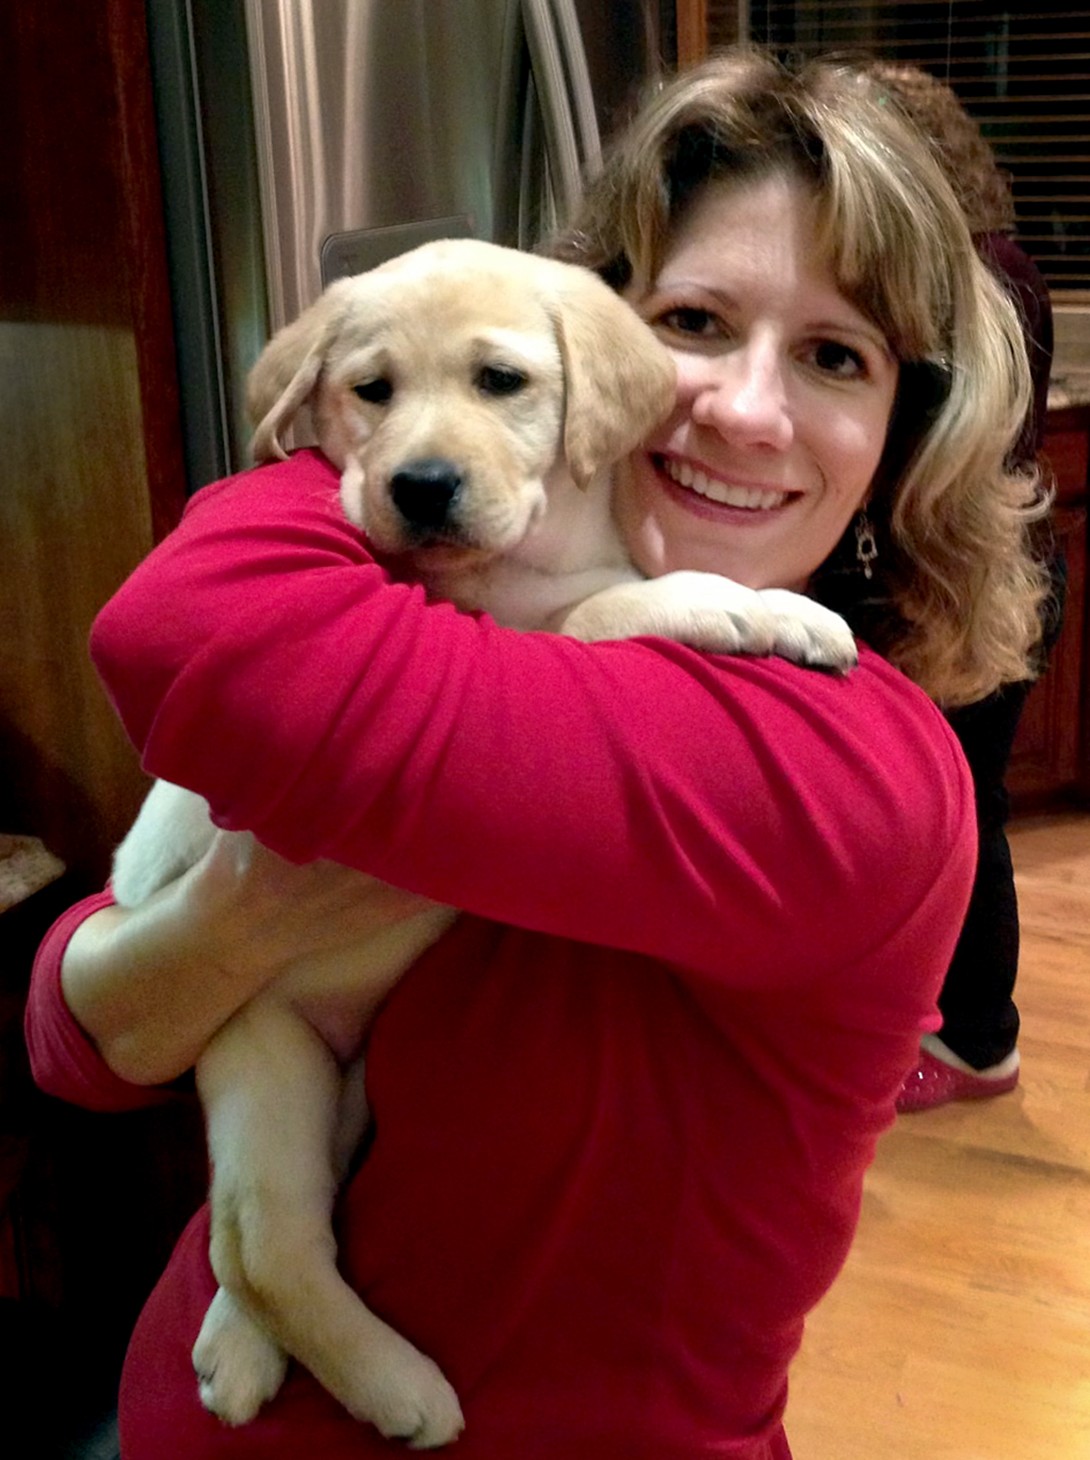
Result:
[[1023, 281]]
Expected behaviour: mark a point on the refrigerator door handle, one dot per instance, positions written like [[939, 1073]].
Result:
[[549, 65], [580, 90], [512, 190]]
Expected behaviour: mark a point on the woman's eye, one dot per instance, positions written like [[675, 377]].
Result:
[[500, 380], [688, 321], [376, 392], [832, 358]]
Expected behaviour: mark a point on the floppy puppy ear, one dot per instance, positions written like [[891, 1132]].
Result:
[[287, 370], [620, 382]]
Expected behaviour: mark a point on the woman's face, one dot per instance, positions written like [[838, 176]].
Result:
[[784, 397]]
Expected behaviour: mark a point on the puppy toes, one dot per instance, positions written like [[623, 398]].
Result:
[[808, 633], [440, 1418], [425, 1416], [239, 1366], [402, 1393]]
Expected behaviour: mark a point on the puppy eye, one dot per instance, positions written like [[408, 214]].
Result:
[[500, 380], [376, 392]]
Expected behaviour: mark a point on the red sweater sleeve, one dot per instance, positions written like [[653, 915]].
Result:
[[637, 795], [63, 1060]]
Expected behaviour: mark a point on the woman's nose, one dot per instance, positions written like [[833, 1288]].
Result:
[[741, 394]]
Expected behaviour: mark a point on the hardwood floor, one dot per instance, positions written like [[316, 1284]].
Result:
[[960, 1328]]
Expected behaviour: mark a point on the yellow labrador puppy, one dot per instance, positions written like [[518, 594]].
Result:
[[474, 399]]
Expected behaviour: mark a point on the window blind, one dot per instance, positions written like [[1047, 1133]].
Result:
[[1024, 74]]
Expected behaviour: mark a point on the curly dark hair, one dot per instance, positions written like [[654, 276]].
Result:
[[961, 149]]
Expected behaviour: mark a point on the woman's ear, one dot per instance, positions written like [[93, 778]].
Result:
[[287, 370], [620, 382]]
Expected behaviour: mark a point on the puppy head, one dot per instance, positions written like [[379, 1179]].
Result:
[[448, 383]]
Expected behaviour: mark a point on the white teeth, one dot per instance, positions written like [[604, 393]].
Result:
[[753, 498]]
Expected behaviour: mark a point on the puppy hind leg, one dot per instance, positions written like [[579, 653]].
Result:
[[239, 1365], [273, 1098], [378, 1375]]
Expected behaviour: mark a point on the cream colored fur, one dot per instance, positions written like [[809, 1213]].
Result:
[[529, 378]]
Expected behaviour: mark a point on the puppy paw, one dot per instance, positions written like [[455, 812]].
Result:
[[405, 1396], [702, 610], [239, 1366], [808, 633]]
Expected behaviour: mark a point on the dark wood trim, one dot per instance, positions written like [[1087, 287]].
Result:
[[692, 31], [1050, 762], [144, 229], [89, 415]]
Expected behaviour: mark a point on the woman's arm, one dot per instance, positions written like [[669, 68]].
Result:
[[637, 794], [63, 1058], [149, 986]]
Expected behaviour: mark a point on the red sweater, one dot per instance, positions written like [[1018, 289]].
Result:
[[623, 1110]]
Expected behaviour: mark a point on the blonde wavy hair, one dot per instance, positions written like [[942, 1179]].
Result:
[[955, 595]]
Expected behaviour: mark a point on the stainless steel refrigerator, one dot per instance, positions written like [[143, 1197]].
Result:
[[302, 140]]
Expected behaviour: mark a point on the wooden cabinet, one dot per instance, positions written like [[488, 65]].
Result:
[[89, 1204], [93, 468], [1050, 764]]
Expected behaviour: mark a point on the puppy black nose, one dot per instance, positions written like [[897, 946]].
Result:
[[424, 491]]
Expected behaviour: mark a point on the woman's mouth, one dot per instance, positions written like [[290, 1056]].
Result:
[[712, 489]]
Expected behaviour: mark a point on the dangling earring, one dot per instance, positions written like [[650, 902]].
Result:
[[866, 546]]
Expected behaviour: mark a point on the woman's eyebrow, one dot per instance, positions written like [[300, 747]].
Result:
[[675, 286]]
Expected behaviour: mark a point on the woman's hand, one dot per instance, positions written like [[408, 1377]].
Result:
[[152, 984]]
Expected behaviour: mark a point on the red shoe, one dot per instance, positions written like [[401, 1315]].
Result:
[[933, 1082]]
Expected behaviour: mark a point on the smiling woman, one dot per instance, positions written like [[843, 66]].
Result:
[[785, 392], [623, 1108], [838, 340]]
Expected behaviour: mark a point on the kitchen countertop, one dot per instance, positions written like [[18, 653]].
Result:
[[1069, 388], [25, 868]]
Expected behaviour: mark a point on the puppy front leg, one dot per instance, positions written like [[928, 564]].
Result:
[[715, 613], [272, 1095]]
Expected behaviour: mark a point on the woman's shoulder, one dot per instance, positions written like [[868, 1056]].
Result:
[[876, 822], [305, 473], [822, 810], [872, 720], [891, 739], [873, 787]]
